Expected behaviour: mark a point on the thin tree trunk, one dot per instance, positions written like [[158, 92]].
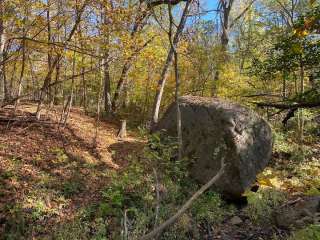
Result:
[[55, 97], [106, 67], [70, 101], [33, 79], [49, 57], [6, 95], [84, 88], [301, 117], [97, 123], [12, 78], [57, 59], [21, 77], [284, 85], [176, 71], [225, 8], [23, 61], [107, 85], [138, 26], [124, 76], [147, 94], [177, 94], [165, 70], [120, 85]]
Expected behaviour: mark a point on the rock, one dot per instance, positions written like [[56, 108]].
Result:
[[236, 220], [215, 129], [299, 213]]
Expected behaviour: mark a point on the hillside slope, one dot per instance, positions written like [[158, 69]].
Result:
[[48, 173]]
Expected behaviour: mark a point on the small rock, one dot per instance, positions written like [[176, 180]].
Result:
[[298, 214], [236, 220]]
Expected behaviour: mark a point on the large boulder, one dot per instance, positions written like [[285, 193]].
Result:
[[213, 130]]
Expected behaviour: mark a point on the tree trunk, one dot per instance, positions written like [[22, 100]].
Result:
[[138, 26], [46, 82], [106, 68], [33, 80], [107, 85], [49, 57], [70, 98], [177, 90], [284, 86], [122, 133], [225, 9], [84, 88], [55, 98], [21, 79], [97, 123], [301, 117], [120, 85], [6, 95], [165, 70]]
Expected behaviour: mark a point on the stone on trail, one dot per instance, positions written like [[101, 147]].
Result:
[[236, 220], [213, 130]]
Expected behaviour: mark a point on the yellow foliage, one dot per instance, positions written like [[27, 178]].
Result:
[[231, 83]]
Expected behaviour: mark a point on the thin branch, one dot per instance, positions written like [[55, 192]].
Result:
[[186, 206], [242, 14], [155, 3], [61, 45]]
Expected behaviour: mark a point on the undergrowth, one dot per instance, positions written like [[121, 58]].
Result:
[[130, 207], [311, 232]]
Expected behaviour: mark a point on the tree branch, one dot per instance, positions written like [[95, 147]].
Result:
[[289, 106], [242, 13], [154, 3], [186, 206]]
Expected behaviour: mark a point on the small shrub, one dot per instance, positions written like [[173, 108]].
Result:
[[61, 157], [262, 203], [72, 230], [281, 143], [209, 208], [15, 227], [72, 187]]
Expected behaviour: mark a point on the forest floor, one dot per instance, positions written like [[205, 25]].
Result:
[[53, 172], [50, 174]]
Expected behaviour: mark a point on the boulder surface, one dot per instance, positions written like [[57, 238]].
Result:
[[215, 130]]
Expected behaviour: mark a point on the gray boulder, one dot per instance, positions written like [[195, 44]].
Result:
[[214, 129]]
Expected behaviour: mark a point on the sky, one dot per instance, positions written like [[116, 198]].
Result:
[[209, 5]]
